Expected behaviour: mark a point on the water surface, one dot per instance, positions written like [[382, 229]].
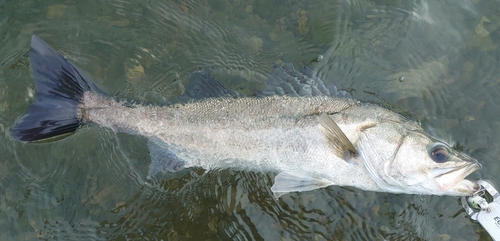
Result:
[[435, 61]]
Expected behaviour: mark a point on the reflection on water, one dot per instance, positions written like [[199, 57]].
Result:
[[436, 61]]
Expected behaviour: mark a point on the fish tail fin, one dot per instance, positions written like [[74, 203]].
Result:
[[59, 91]]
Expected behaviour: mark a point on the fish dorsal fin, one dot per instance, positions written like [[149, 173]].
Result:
[[202, 85], [286, 80], [336, 138], [286, 182]]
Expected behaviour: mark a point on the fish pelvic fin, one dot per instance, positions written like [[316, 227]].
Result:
[[286, 182], [336, 139], [59, 90]]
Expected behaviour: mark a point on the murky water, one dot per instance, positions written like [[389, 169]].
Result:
[[436, 61]]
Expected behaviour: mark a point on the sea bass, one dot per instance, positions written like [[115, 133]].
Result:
[[310, 142]]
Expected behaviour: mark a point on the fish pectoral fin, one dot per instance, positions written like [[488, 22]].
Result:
[[286, 182], [162, 159], [336, 139]]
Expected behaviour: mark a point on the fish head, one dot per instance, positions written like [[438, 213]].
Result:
[[416, 163]]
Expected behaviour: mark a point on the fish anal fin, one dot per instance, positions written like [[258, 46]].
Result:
[[286, 182], [336, 139], [162, 159]]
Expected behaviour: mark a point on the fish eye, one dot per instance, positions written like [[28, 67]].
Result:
[[439, 153]]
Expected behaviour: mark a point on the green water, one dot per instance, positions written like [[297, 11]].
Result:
[[436, 61]]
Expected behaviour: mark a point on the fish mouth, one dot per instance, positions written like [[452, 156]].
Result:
[[452, 180]]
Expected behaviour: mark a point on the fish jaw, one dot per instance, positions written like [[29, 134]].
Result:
[[451, 181]]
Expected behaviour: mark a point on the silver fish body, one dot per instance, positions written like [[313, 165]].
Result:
[[284, 134], [311, 142]]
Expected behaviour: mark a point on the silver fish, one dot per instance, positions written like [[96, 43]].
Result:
[[310, 142]]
